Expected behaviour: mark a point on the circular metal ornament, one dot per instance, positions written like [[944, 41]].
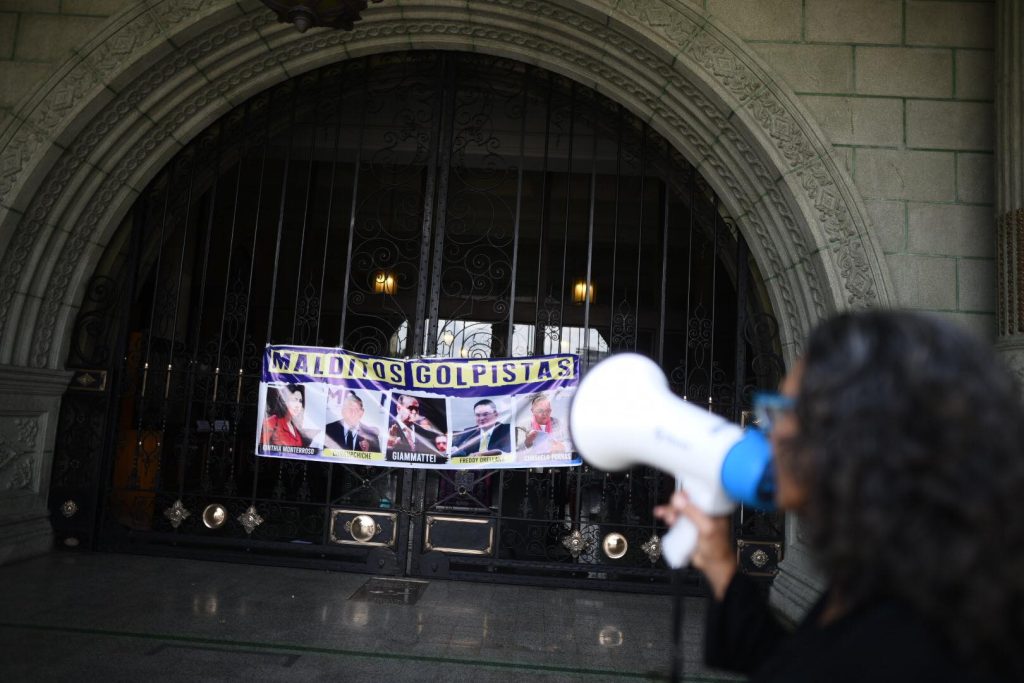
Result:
[[615, 545], [362, 528], [69, 508], [214, 516], [759, 558]]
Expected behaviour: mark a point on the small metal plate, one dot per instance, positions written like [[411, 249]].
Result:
[[758, 558], [89, 380], [459, 535], [383, 534], [390, 591]]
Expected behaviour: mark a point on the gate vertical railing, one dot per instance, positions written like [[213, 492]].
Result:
[[487, 190]]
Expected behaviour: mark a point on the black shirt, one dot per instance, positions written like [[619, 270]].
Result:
[[883, 640]]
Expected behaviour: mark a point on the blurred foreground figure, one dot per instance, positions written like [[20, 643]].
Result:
[[899, 441]]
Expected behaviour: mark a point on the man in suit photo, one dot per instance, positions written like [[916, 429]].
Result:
[[350, 433], [412, 432], [488, 436]]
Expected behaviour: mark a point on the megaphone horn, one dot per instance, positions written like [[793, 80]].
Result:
[[624, 414]]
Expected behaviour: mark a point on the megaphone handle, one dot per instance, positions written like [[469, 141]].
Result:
[[678, 544]]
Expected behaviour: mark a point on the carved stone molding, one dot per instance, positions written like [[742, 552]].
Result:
[[1009, 110], [19, 453], [1009, 271], [74, 160]]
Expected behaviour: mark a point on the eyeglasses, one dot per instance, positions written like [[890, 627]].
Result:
[[485, 414], [769, 407]]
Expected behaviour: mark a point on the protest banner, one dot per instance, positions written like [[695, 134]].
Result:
[[332, 405]]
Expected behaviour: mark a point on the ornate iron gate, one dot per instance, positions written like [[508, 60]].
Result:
[[421, 203]]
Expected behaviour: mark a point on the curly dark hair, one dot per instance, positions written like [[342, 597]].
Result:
[[910, 445]]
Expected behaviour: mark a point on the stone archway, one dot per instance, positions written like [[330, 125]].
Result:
[[86, 143]]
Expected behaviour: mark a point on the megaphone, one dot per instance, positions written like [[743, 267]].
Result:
[[624, 414]]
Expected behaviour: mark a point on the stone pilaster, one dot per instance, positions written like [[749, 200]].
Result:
[[29, 403], [1010, 183], [799, 583]]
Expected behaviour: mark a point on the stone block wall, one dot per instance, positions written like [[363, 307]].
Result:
[[904, 90]]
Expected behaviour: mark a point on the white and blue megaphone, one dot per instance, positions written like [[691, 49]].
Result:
[[624, 414]]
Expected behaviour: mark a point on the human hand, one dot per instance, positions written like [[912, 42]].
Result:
[[713, 554], [531, 436]]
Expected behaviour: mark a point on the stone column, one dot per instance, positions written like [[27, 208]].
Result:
[[29, 404], [1009, 176]]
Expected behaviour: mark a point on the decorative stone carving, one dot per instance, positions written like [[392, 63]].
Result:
[[1010, 186], [19, 453]]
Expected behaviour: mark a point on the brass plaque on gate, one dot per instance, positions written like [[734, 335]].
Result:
[[364, 528], [462, 535]]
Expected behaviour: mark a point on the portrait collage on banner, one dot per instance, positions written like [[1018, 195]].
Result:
[[332, 405]]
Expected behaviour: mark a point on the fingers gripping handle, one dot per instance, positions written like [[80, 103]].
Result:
[[678, 544]]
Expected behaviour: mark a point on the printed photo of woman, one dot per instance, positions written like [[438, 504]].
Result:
[[286, 409]]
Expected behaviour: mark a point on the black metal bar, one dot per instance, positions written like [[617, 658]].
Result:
[[174, 317], [324, 538], [197, 325], [518, 210], [118, 375], [568, 208], [356, 170], [418, 336], [449, 102], [588, 285], [141, 401], [714, 292], [330, 213], [640, 231], [248, 302], [280, 222], [231, 253], [277, 261], [538, 329], [615, 220], [742, 285], [302, 238], [664, 271], [689, 280]]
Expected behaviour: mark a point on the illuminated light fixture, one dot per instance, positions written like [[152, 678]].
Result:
[[384, 282], [582, 291], [306, 14]]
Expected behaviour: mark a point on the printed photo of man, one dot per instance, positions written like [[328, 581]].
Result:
[[540, 431], [349, 432], [413, 432], [488, 436]]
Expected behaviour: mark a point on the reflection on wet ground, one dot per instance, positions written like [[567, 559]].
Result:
[[95, 616]]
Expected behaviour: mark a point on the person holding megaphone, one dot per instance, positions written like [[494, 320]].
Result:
[[897, 439]]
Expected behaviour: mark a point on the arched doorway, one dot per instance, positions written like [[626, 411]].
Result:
[[410, 203]]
